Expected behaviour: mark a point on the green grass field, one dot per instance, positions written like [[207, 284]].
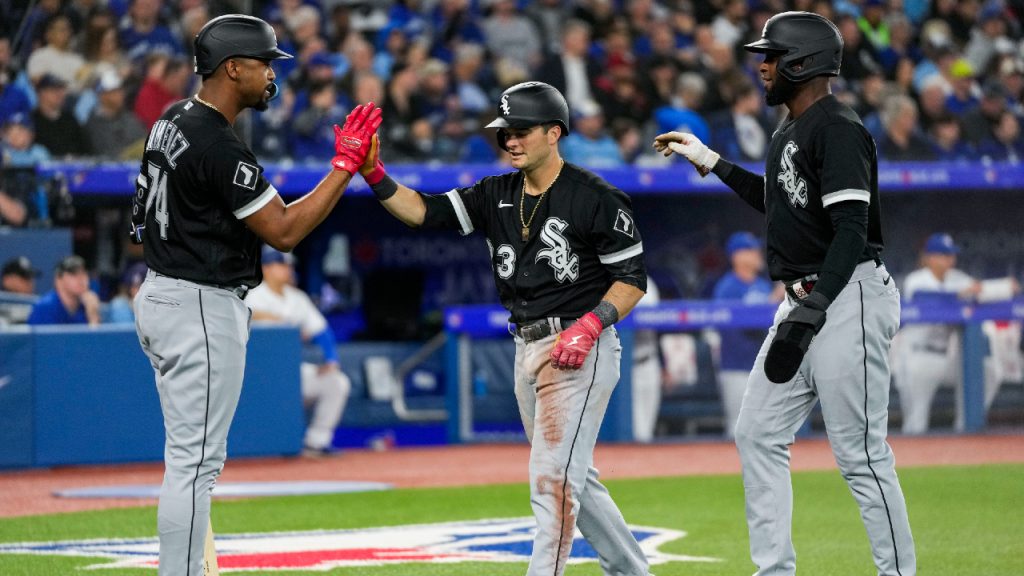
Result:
[[967, 521]]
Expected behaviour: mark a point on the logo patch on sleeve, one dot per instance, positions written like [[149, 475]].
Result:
[[624, 223], [245, 175]]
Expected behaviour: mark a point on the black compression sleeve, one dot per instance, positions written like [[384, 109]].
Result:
[[850, 221], [745, 183]]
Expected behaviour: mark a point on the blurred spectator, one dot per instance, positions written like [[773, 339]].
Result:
[[390, 49], [121, 309], [632, 144], [19, 147], [548, 16], [34, 26], [681, 115], [741, 131], [932, 98], [661, 76], [18, 276], [71, 301], [114, 132], [359, 55], [588, 144], [980, 123], [927, 356], [1006, 144], [16, 94], [730, 25], [873, 25], [599, 14], [143, 34], [646, 375], [433, 89], [962, 97], [902, 140], [102, 50], [510, 34], [987, 37], [404, 127], [167, 80], [56, 57], [572, 70], [325, 388], [746, 283], [1010, 72], [466, 69], [859, 57], [56, 127], [313, 128], [947, 140], [901, 45]]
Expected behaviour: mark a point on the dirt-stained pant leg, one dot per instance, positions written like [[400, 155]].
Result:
[[195, 339], [562, 412], [847, 369]]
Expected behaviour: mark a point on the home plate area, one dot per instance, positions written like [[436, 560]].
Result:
[[504, 540]]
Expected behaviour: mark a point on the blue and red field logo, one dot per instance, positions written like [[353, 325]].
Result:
[[508, 540]]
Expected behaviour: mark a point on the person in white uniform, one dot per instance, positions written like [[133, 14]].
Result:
[[325, 388], [646, 373], [927, 356]]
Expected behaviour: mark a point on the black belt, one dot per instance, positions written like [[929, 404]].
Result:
[[539, 329], [241, 290]]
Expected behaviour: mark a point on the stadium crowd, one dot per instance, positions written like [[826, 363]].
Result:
[[934, 80]]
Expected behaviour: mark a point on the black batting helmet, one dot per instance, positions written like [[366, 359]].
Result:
[[801, 38], [531, 103], [235, 35]]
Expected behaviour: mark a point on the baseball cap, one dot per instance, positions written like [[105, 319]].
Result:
[[272, 256], [70, 264], [50, 81], [940, 243], [108, 82], [20, 266], [19, 119], [741, 241]]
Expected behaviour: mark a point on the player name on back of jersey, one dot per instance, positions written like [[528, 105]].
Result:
[[166, 137]]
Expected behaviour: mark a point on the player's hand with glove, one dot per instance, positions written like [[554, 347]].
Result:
[[352, 141], [574, 343], [373, 169], [793, 338], [688, 146]]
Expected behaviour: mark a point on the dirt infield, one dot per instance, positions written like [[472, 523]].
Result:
[[30, 492]]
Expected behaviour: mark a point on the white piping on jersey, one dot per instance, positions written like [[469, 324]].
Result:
[[460, 211], [847, 194], [142, 181], [254, 206], [634, 250]]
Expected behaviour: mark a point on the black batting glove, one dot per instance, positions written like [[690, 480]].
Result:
[[793, 338]]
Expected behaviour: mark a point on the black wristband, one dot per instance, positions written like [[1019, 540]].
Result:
[[384, 189], [607, 313]]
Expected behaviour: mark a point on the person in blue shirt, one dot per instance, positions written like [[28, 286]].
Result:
[[744, 282], [589, 145], [121, 309], [681, 115], [71, 301]]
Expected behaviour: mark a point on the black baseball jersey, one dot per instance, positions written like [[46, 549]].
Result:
[[582, 239], [823, 157], [197, 183]]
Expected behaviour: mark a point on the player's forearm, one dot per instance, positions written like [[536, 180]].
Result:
[[407, 205], [299, 218], [746, 184], [624, 297]]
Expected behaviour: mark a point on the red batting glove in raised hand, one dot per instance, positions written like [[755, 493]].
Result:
[[352, 141], [573, 345]]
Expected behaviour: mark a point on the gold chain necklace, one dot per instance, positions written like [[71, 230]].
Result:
[[526, 223], [201, 101]]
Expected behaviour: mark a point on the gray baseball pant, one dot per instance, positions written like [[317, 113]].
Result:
[[847, 369], [195, 337], [562, 412]]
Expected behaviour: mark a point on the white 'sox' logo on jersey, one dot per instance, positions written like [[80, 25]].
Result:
[[492, 541], [789, 178], [559, 256]]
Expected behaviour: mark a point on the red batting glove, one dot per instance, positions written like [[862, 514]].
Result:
[[352, 142], [573, 345]]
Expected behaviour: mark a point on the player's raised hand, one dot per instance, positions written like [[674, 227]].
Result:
[[373, 169], [573, 344], [352, 142], [688, 146]]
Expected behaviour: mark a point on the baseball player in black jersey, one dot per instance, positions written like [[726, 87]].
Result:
[[830, 339], [568, 263], [202, 205]]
